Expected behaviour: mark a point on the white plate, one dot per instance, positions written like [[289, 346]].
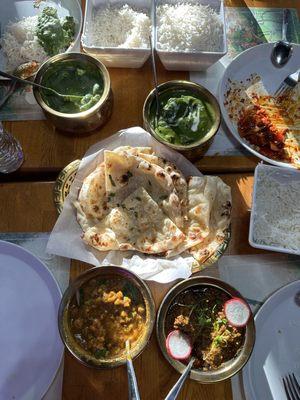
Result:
[[277, 347], [256, 60], [15, 10], [31, 348]]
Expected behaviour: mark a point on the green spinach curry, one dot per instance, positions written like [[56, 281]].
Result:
[[54, 34], [72, 77], [183, 118]]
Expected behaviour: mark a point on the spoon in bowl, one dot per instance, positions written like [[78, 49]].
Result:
[[132, 382], [282, 49], [65, 97], [155, 79], [179, 347]]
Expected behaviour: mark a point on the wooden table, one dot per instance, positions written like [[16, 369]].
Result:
[[27, 206], [33, 211]]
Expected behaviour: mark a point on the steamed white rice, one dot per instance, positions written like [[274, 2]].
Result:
[[188, 27], [20, 43], [116, 26], [277, 212]]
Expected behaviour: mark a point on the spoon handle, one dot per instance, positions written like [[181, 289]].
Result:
[[173, 393], [132, 382], [285, 21], [16, 78]]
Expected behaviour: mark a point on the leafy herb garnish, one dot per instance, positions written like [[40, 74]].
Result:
[[111, 180], [100, 353]]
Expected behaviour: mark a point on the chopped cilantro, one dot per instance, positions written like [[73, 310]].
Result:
[[100, 353], [111, 180]]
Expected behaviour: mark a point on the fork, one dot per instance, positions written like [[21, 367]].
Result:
[[288, 84], [291, 386]]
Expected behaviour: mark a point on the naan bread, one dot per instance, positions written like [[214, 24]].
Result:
[[215, 204], [92, 196], [136, 224], [206, 195], [125, 173]]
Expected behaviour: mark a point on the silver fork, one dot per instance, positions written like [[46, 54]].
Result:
[[291, 387], [288, 84]]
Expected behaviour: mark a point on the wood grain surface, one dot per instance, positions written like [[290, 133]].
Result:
[[49, 150], [28, 207]]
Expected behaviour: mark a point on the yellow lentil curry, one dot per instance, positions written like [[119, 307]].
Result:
[[106, 313]]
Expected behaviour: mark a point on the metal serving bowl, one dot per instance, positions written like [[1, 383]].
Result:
[[63, 315], [198, 148], [227, 369], [80, 122]]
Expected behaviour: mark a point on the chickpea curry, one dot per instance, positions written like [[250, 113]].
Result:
[[199, 313], [106, 313]]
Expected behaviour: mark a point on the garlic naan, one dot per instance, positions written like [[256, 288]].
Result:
[[215, 204], [125, 173], [136, 224], [92, 196]]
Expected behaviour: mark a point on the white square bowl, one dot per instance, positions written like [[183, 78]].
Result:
[[282, 175], [192, 60], [117, 57]]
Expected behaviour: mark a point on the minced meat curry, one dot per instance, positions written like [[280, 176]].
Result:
[[199, 313], [106, 314]]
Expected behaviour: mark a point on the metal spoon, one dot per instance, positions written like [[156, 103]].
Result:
[[66, 97], [132, 382], [282, 49], [174, 392], [155, 79]]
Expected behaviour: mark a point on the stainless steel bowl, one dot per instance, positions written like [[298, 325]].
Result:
[[63, 316], [194, 150], [227, 369], [81, 122]]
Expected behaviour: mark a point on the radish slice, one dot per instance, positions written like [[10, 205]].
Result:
[[178, 345], [237, 312]]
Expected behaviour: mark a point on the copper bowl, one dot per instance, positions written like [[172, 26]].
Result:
[[198, 148], [80, 122], [104, 272], [228, 368]]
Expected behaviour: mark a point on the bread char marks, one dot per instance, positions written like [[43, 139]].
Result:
[[137, 224], [126, 173]]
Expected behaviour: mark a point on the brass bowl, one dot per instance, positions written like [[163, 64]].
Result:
[[80, 122], [63, 316], [227, 369], [198, 148]]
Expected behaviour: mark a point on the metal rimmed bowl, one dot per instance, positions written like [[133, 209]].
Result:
[[104, 272], [84, 121], [228, 368], [198, 148]]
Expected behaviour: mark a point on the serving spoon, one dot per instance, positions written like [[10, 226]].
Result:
[[155, 79], [174, 392], [65, 97], [133, 389], [282, 49]]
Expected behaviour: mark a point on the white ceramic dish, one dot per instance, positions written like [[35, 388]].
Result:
[[276, 351], [115, 56], [31, 348], [13, 11], [282, 175], [193, 60], [256, 60]]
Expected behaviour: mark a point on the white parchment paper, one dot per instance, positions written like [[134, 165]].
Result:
[[65, 239]]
